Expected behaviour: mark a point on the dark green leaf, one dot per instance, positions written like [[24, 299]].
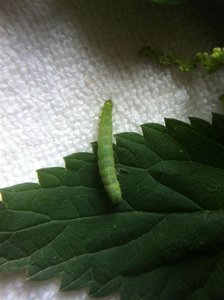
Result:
[[199, 148], [165, 241], [218, 127], [202, 127]]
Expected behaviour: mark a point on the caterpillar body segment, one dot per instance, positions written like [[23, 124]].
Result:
[[105, 155]]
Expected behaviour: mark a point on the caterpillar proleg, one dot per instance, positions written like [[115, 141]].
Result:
[[105, 155]]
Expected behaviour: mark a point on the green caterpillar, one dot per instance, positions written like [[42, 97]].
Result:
[[106, 162]]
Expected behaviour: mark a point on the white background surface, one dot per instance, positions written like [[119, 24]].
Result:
[[60, 60]]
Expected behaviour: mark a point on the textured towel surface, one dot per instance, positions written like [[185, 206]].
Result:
[[60, 59]]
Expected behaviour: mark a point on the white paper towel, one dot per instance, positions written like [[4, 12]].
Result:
[[60, 60]]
